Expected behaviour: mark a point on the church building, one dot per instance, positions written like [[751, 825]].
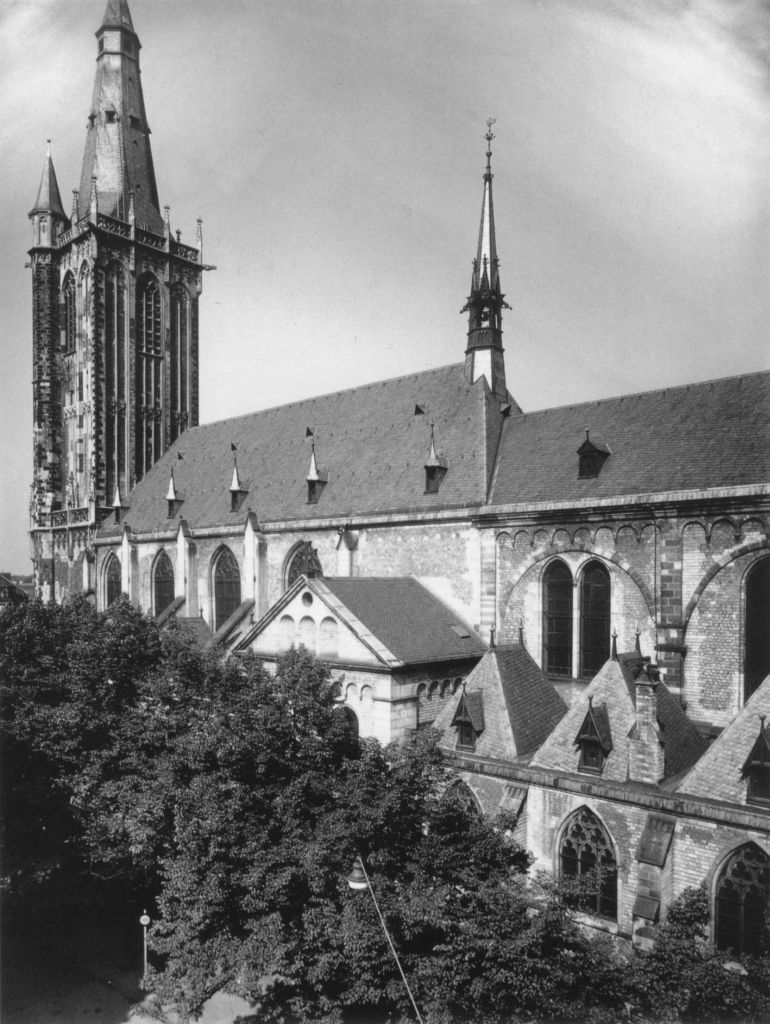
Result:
[[578, 598]]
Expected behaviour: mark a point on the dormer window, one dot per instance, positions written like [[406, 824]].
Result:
[[469, 720], [435, 467], [110, 116], [316, 479], [756, 769], [592, 454], [238, 488], [594, 740]]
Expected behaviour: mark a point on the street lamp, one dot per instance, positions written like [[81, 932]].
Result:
[[358, 879], [144, 920]]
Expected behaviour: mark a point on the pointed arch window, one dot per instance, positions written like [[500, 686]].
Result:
[[741, 902], [351, 721], [162, 583], [304, 562], [594, 618], [557, 620], [113, 581], [227, 587], [149, 376], [462, 794], [757, 627], [589, 872], [69, 320], [116, 398]]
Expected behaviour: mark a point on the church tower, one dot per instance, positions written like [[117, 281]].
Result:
[[115, 323], [484, 354]]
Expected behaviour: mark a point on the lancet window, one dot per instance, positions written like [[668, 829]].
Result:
[[149, 376], [227, 587], [115, 331]]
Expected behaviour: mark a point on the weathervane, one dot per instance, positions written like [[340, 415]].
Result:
[[489, 136]]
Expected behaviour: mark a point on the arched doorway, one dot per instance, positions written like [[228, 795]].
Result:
[[757, 651]]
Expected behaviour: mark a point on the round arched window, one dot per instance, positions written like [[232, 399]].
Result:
[[557, 620]]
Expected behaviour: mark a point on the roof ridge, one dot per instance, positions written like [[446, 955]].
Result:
[[327, 394], [647, 394]]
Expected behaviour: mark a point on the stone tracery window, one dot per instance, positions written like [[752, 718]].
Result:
[[594, 618], [304, 562], [462, 793], [68, 308], [149, 376], [163, 583], [227, 587], [741, 901], [589, 873], [113, 581], [557, 620]]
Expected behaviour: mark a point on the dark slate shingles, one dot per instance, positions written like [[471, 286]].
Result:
[[534, 707], [407, 618], [713, 434]]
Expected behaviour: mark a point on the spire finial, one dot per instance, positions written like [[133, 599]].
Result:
[[48, 147], [489, 136], [614, 645]]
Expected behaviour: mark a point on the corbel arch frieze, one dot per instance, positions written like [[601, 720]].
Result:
[[565, 538]]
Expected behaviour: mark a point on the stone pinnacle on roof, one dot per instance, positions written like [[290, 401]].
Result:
[[48, 196], [117, 151], [171, 493]]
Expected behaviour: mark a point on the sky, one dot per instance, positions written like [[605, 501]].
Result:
[[334, 150]]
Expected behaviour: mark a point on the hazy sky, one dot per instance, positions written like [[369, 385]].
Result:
[[334, 149]]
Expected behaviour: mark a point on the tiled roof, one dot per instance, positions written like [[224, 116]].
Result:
[[718, 773], [368, 439], [407, 618], [614, 686], [520, 706], [713, 434]]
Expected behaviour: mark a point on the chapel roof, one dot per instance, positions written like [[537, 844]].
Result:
[[369, 441], [706, 435], [717, 775], [520, 706]]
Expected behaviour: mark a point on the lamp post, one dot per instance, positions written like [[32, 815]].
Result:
[[358, 879], [144, 920]]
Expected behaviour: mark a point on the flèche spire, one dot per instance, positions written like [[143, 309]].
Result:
[[117, 151], [484, 354]]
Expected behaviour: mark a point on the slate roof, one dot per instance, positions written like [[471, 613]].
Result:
[[713, 434], [718, 774], [520, 706], [368, 439], [406, 617], [614, 686]]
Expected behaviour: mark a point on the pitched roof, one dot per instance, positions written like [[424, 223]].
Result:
[[48, 197], [407, 618], [718, 774], [368, 439], [712, 434], [615, 686], [520, 706]]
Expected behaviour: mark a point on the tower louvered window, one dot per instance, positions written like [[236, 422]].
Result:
[[741, 902], [149, 377], [227, 587], [180, 361], [594, 618], [115, 382], [557, 620], [589, 872]]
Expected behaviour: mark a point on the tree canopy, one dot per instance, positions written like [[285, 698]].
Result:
[[232, 801]]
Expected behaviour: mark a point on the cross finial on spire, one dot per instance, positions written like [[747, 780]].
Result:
[[489, 136]]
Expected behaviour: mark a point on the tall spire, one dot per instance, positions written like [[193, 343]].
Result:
[[484, 354], [117, 151]]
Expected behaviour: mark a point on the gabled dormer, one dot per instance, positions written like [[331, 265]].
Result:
[[238, 488], [592, 454], [469, 719], [756, 768], [316, 479], [436, 467], [594, 739]]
